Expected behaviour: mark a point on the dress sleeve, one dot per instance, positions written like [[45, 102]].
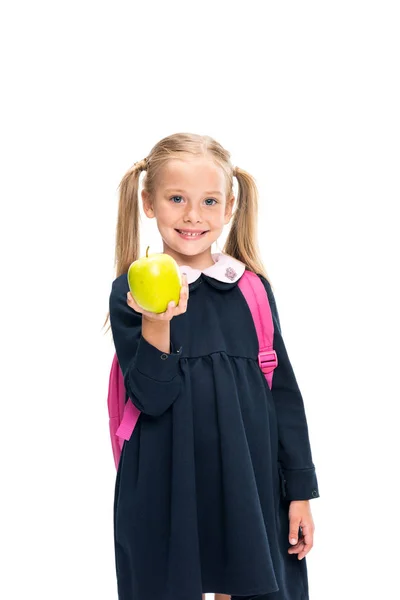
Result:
[[294, 454], [152, 378]]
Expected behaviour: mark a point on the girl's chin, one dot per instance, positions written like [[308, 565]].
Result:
[[187, 249]]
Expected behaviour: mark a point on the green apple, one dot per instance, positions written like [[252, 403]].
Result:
[[154, 281]]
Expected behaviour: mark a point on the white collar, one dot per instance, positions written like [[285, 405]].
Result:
[[225, 268]]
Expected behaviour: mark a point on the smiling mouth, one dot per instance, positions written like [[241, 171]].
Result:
[[191, 234]]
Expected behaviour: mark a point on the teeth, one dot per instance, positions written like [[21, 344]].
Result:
[[189, 234]]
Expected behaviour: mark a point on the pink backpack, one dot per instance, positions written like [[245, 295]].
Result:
[[123, 416]]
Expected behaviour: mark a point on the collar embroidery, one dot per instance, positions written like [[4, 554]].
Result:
[[225, 268], [230, 273]]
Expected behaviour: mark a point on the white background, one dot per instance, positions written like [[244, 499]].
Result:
[[305, 95]]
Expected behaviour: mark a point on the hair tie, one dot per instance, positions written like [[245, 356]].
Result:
[[141, 165]]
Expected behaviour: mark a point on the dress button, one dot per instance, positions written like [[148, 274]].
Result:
[[164, 356], [315, 493]]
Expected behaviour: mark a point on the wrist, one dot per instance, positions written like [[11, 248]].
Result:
[[156, 323], [157, 333]]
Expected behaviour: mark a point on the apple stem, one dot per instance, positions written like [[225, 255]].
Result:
[[147, 252]]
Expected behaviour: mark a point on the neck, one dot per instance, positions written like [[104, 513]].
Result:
[[199, 261]]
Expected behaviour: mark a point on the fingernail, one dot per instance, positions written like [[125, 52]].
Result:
[[293, 541]]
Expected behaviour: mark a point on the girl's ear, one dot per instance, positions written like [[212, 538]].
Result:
[[147, 205], [228, 209]]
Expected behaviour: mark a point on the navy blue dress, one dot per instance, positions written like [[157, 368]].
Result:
[[204, 484]]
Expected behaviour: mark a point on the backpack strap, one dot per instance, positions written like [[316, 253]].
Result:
[[256, 296], [128, 422]]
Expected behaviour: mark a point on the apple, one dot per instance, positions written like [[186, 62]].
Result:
[[154, 281]]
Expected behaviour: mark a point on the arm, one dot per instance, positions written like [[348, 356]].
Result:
[[294, 452], [151, 374]]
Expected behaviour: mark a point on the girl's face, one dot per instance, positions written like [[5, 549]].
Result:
[[191, 209]]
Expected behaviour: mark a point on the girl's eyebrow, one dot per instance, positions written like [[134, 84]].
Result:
[[184, 192]]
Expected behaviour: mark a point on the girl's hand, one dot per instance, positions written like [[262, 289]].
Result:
[[300, 516], [172, 310]]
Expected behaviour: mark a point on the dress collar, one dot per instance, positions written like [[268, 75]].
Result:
[[225, 268]]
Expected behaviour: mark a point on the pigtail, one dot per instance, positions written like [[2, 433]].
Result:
[[127, 238], [241, 242]]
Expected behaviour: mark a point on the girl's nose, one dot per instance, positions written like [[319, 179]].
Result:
[[192, 215]]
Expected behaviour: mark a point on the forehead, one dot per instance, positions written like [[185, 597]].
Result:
[[193, 174]]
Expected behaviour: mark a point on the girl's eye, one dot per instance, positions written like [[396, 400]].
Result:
[[212, 200], [173, 199]]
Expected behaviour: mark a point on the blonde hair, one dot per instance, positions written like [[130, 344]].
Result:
[[241, 242]]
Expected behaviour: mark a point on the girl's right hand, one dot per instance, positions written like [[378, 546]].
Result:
[[172, 310]]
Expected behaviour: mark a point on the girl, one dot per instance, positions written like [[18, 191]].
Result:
[[213, 487]]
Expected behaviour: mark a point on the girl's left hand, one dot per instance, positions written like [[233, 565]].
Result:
[[300, 516]]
